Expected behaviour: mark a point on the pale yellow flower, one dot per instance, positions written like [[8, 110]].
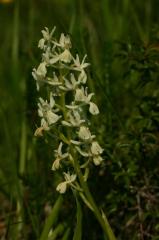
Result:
[[96, 148], [97, 160], [62, 187], [93, 109], [59, 156]]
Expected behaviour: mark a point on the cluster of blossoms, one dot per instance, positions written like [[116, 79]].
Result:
[[66, 109]]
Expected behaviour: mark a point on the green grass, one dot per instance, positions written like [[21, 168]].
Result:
[[121, 40]]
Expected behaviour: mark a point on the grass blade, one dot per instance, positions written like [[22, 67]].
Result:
[[56, 232], [78, 229], [66, 234], [51, 218]]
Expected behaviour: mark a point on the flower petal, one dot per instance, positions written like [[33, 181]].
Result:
[[82, 77], [56, 164], [84, 133], [97, 160], [52, 117], [61, 187], [93, 109], [96, 148]]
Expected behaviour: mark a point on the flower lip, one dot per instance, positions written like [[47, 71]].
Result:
[[97, 160], [62, 187], [85, 134], [93, 109], [96, 148]]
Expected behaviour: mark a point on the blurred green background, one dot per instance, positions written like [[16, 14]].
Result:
[[121, 39]]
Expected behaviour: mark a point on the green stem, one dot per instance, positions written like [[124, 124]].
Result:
[[23, 147], [15, 40], [104, 224]]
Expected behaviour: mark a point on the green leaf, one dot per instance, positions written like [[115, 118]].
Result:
[[66, 234], [78, 228], [56, 232], [51, 220]]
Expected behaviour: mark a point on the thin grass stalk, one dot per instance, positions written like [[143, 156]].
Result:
[[23, 147], [15, 73], [107, 19], [137, 23], [125, 6], [81, 19], [32, 219], [66, 234], [15, 41], [73, 18], [148, 17], [31, 22]]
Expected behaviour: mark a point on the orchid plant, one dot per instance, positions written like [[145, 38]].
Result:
[[67, 110]]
